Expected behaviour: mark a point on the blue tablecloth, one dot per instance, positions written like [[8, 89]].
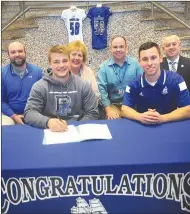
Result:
[[143, 169]]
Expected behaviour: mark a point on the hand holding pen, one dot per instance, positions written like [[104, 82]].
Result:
[[57, 125]]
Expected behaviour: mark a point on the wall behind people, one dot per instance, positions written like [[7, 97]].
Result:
[[52, 31]]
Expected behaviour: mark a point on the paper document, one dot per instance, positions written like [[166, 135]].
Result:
[[77, 134]]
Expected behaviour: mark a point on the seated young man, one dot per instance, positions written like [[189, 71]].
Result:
[[61, 96], [159, 96]]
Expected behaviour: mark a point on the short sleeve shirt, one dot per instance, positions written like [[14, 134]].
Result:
[[169, 93]]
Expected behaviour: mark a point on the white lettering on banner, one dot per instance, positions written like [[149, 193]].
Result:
[[138, 180], [171, 186], [148, 187]]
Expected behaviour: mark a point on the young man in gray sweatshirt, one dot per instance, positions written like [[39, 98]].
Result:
[[61, 96]]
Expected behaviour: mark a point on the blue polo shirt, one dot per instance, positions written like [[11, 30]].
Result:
[[169, 93], [15, 90]]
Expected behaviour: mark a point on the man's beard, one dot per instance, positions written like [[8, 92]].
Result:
[[18, 64]]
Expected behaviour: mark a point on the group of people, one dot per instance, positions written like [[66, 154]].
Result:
[[150, 90]]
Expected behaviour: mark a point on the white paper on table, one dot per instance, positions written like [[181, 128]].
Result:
[[94, 131], [77, 134]]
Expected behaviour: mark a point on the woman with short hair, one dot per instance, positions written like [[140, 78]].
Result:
[[78, 57]]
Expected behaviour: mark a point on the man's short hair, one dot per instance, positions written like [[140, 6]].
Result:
[[118, 36], [166, 37], [149, 45], [77, 45], [61, 49], [8, 46]]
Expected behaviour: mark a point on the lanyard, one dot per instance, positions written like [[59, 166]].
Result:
[[120, 79]]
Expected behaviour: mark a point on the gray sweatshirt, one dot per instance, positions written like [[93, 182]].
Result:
[[50, 99]]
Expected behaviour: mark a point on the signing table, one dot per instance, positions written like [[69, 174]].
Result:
[[142, 169]]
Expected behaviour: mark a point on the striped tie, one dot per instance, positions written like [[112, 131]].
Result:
[[173, 66]]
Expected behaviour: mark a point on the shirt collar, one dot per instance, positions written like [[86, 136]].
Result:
[[176, 60], [161, 80], [13, 71], [112, 61]]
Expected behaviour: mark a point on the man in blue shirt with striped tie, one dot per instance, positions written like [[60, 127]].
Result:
[[159, 96]]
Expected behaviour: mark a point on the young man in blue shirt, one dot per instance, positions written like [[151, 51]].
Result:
[[159, 96], [18, 78], [113, 76]]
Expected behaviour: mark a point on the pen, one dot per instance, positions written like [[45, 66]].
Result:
[[58, 117], [65, 123]]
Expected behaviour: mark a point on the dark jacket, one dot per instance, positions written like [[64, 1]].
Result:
[[183, 68]]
